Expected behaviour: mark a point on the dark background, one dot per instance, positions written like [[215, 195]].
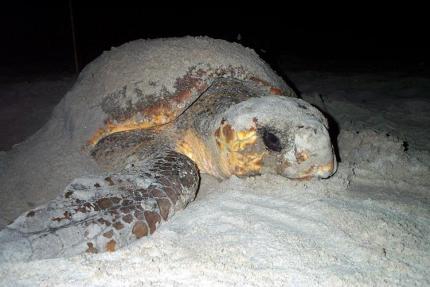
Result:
[[36, 36]]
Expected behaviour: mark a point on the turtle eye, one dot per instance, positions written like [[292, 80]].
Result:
[[271, 141]]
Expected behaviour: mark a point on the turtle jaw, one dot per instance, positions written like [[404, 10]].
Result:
[[314, 171]]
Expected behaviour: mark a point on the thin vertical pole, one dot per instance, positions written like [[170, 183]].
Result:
[[75, 49]]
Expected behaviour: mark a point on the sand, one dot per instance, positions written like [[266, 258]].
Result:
[[368, 225]]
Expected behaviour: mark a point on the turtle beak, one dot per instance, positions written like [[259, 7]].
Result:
[[327, 170], [311, 154]]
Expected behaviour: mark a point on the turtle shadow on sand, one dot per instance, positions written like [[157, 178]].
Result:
[[334, 128], [153, 115]]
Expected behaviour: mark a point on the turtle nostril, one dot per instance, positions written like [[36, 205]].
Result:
[[271, 141]]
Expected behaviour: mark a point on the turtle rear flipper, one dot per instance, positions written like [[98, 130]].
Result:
[[104, 213]]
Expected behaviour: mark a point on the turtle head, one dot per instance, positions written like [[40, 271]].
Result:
[[274, 134]]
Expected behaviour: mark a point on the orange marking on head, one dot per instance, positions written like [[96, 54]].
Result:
[[234, 158], [228, 132], [315, 169], [329, 167], [302, 156]]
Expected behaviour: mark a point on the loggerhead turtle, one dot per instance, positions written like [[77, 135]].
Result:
[[226, 114]]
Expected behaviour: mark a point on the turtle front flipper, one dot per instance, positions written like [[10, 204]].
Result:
[[104, 213]]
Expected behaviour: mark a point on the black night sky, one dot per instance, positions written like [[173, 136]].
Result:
[[36, 36]]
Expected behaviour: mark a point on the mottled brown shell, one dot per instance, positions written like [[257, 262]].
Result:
[[148, 102]]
